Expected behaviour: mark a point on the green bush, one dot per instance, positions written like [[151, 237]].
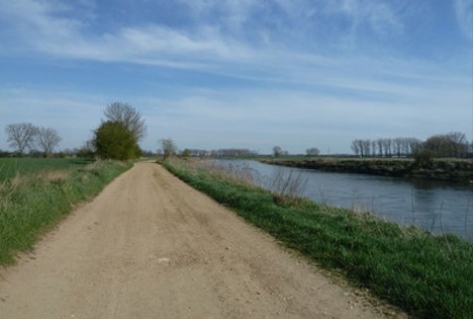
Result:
[[113, 140]]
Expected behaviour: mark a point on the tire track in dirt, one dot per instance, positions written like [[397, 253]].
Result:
[[150, 246]]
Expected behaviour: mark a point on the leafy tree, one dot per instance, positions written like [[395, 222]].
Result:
[[48, 139], [128, 116], [112, 140], [21, 136]]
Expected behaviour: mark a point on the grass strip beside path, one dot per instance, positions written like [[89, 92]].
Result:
[[427, 276], [34, 203]]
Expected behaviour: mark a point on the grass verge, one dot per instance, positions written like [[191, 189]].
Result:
[[31, 204], [427, 276]]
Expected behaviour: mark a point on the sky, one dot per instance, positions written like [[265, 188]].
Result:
[[252, 74]]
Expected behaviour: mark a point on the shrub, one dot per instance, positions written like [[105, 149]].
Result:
[[424, 159]]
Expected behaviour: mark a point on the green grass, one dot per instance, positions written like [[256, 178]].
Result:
[[427, 276], [34, 199]]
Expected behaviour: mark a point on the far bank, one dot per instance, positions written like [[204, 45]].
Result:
[[455, 170]]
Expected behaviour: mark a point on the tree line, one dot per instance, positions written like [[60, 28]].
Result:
[[453, 144], [27, 137], [116, 137], [169, 148]]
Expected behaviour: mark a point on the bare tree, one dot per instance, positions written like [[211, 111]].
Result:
[[277, 151], [48, 139], [457, 141], [21, 136], [373, 145], [380, 146], [398, 146], [168, 147], [355, 147], [387, 144], [414, 145], [129, 116], [366, 147]]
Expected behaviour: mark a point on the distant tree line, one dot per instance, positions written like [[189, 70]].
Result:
[[453, 144], [193, 152], [233, 152]]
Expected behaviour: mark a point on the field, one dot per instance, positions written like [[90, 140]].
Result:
[[11, 167]]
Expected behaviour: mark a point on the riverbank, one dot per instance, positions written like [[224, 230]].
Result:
[[427, 276], [454, 170]]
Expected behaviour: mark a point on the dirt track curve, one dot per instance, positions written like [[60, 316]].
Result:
[[149, 246]]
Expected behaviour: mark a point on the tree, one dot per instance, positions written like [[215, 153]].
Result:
[[21, 136], [277, 151], [452, 144], [387, 144], [112, 140], [168, 147], [313, 151], [355, 147], [186, 153], [128, 116], [457, 141], [380, 146], [365, 145], [48, 139]]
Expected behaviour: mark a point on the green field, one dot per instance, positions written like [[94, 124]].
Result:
[[10, 167]]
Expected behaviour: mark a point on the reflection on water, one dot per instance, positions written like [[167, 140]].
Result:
[[440, 207]]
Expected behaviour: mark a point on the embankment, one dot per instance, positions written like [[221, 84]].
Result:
[[425, 275], [441, 169]]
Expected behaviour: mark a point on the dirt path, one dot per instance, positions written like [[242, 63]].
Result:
[[149, 246]]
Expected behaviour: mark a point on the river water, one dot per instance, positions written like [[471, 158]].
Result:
[[439, 207]]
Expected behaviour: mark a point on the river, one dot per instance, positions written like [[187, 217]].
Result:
[[439, 207]]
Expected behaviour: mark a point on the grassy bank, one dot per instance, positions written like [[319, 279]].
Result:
[[426, 276], [456, 170], [33, 200]]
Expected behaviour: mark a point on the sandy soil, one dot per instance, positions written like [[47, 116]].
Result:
[[149, 246]]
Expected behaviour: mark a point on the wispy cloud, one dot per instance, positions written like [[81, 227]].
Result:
[[278, 67], [463, 10], [44, 27]]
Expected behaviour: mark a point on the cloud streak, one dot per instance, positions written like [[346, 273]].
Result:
[[277, 66]]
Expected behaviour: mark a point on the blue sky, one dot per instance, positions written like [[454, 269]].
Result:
[[240, 73]]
